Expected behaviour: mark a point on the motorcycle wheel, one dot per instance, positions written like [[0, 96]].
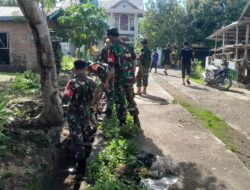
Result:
[[224, 83]]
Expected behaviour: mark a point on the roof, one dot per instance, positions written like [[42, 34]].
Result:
[[246, 12], [10, 13], [220, 31], [107, 4]]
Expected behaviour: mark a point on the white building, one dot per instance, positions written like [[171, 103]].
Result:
[[124, 15]]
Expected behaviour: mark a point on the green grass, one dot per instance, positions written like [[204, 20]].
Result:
[[120, 152], [217, 126], [67, 63]]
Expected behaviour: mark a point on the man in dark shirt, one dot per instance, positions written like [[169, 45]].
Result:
[[186, 56], [167, 58]]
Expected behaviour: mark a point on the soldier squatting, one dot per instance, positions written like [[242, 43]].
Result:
[[116, 71]]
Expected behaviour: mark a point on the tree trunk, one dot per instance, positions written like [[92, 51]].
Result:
[[52, 113]]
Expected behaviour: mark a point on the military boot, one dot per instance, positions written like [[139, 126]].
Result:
[[139, 92], [144, 90]]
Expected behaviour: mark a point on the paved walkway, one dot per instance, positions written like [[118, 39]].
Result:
[[232, 106], [203, 160]]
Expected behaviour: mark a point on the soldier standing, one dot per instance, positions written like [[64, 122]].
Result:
[[57, 49], [103, 58], [80, 89], [121, 68], [142, 75]]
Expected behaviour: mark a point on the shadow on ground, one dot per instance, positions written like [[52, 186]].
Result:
[[197, 88], [191, 176], [154, 99]]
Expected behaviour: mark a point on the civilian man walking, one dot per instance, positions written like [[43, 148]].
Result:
[[186, 56]]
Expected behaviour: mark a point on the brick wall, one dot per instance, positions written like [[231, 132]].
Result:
[[22, 47]]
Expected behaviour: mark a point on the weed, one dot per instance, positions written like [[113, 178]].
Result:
[[116, 165], [26, 83], [67, 63], [3, 137], [197, 69], [217, 126]]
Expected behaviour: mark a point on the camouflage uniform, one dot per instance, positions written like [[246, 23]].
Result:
[[81, 90], [101, 71], [103, 57], [57, 49], [142, 75], [121, 60]]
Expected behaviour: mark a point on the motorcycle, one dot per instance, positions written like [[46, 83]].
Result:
[[218, 76]]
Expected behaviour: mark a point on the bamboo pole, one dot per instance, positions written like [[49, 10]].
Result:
[[246, 43], [237, 41], [223, 45]]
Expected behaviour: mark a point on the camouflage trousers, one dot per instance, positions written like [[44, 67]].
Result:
[[81, 133], [142, 77], [120, 101], [130, 95], [125, 96], [110, 95]]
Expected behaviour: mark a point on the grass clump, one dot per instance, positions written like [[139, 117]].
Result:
[[3, 137], [26, 83], [197, 69], [116, 166], [67, 63], [217, 126]]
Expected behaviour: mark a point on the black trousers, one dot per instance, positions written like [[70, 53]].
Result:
[[186, 69]]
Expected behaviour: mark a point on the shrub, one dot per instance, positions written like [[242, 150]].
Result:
[[67, 63], [119, 153], [26, 83], [3, 137], [197, 69]]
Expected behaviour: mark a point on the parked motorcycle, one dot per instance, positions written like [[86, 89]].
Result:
[[218, 76]]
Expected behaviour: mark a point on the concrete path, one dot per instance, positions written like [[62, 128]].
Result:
[[232, 106], [204, 162]]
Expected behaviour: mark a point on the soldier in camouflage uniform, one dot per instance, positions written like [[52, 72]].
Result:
[[57, 49], [142, 75], [103, 58], [80, 89], [121, 68], [100, 70]]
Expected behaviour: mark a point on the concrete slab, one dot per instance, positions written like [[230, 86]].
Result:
[[203, 160]]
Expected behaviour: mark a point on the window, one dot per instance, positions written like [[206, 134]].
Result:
[[116, 22], [4, 49], [132, 24], [124, 22]]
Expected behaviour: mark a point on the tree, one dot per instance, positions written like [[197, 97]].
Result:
[[164, 22], [168, 21], [52, 113], [206, 16], [85, 23]]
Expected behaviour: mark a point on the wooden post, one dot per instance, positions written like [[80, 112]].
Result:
[[246, 43], [216, 40], [223, 43], [236, 43]]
